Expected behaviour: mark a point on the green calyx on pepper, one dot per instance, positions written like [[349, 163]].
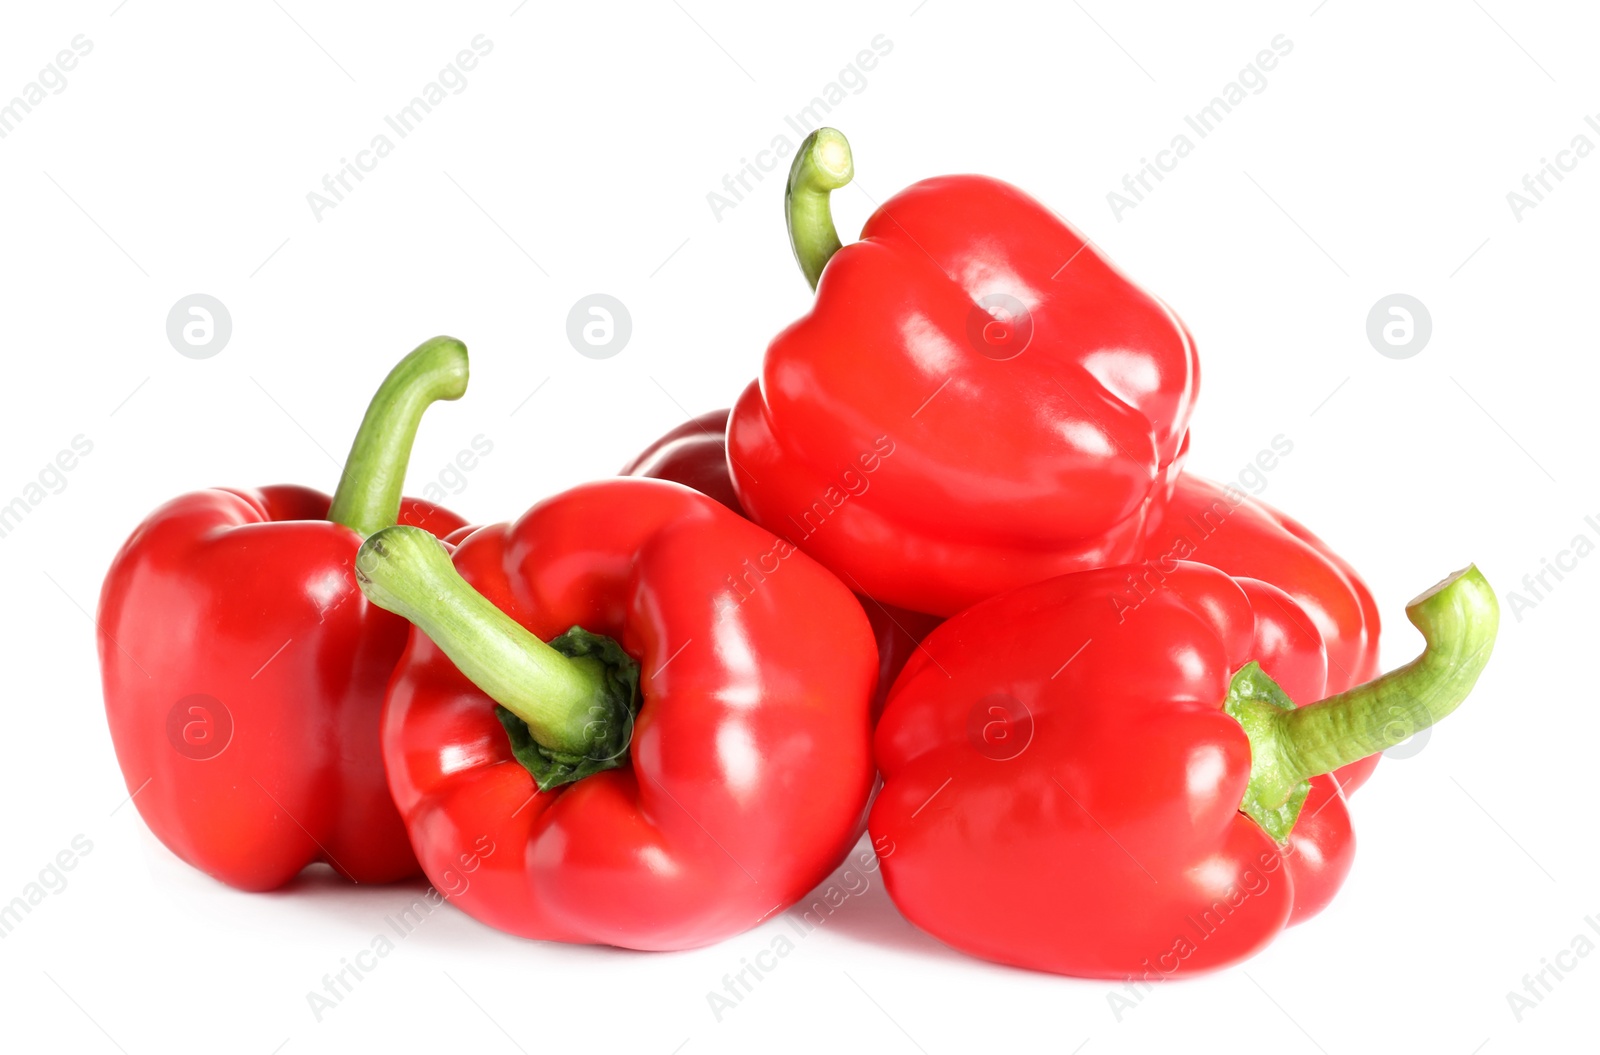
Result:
[[567, 706], [1458, 618]]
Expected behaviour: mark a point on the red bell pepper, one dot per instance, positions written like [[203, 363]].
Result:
[[1232, 532], [695, 454], [978, 399], [244, 671], [681, 761], [1072, 792], [1220, 526]]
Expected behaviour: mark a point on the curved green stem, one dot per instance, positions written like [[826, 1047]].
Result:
[[822, 166], [368, 497], [1458, 618], [570, 709]]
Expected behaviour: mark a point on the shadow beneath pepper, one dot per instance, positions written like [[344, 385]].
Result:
[[853, 903], [412, 913]]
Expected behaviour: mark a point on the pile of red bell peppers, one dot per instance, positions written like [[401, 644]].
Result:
[[906, 553]]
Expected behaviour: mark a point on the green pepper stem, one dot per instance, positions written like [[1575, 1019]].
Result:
[[1458, 619], [407, 571], [822, 166], [368, 496]]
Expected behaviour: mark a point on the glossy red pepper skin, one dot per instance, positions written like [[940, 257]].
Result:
[[230, 622], [1111, 843], [934, 455], [750, 763], [695, 454], [1230, 531]]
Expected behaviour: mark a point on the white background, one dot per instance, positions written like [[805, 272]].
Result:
[[578, 159]]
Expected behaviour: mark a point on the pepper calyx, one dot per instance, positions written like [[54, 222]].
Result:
[[1255, 700], [1458, 619], [611, 716]]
